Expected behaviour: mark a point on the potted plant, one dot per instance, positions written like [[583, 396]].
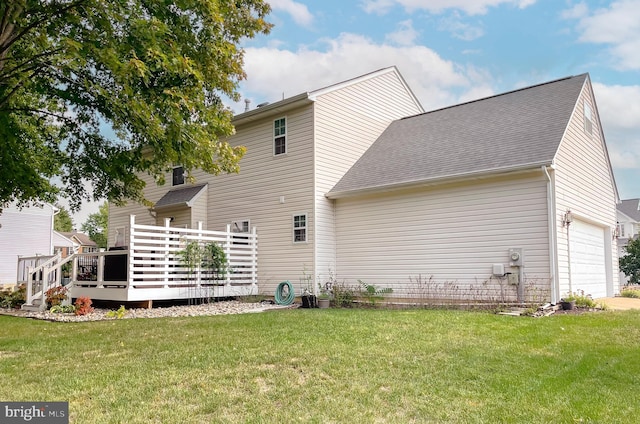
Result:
[[308, 299], [568, 302], [324, 295]]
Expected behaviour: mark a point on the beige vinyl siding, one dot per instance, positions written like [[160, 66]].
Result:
[[119, 215], [451, 233], [199, 211], [255, 194], [583, 184], [180, 217], [347, 122]]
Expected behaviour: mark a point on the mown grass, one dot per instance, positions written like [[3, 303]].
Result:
[[334, 365]]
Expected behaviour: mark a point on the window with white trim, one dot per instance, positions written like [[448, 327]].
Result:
[[588, 124], [300, 228], [178, 175], [240, 227], [280, 136]]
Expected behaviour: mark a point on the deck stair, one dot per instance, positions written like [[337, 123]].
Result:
[[39, 274]]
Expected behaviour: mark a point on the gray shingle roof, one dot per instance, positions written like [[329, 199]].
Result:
[[82, 238], [629, 207], [513, 130], [181, 196]]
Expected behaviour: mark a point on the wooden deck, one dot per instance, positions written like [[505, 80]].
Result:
[[151, 267]]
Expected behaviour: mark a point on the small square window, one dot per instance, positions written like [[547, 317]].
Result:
[[299, 228], [279, 136], [178, 175]]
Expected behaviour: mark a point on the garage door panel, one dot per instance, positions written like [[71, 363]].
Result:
[[588, 270]]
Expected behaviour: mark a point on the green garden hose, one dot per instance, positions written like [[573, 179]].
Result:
[[290, 295]]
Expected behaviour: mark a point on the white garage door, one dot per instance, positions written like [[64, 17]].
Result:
[[588, 270]]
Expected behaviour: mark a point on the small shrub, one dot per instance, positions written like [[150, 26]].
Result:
[[13, 298], [83, 306], [55, 296], [585, 302], [343, 295], [627, 292], [373, 294], [117, 314], [582, 300], [62, 309]]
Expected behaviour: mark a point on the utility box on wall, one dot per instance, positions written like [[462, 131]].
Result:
[[515, 256]]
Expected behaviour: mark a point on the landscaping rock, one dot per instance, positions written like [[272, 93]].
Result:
[[213, 308]]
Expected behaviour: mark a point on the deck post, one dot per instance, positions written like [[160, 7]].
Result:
[[227, 251], [199, 269], [29, 285], [167, 237], [132, 242], [254, 256]]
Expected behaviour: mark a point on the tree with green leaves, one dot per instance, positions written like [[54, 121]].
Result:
[[96, 225], [630, 262], [62, 220], [101, 90]]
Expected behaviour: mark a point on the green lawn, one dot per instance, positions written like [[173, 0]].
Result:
[[335, 365]]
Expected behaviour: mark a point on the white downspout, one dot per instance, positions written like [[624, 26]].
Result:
[[555, 290]]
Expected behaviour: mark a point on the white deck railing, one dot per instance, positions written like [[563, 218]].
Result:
[[151, 268]]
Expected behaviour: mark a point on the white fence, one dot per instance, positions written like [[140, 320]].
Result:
[[151, 267]]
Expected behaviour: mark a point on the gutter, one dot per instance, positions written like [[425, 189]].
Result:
[[485, 173]]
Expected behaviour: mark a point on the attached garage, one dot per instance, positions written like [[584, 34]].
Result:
[[588, 259]]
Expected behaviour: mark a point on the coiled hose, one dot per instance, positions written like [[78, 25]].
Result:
[[280, 293]]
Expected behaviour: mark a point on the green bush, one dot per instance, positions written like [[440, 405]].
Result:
[[117, 314], [373, 294], [343, 295], [628, 292], [630, 262], [13, 298], [62, 309]]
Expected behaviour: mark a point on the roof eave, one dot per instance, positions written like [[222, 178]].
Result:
[[440, 180], [272, 109]]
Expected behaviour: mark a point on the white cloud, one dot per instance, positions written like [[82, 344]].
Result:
[[405, 35], [619, 108], [298, 11], [460, 29], [617, 26], [470, 7], [273, 73]]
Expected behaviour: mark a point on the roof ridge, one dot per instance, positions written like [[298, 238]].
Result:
[[496, 95]]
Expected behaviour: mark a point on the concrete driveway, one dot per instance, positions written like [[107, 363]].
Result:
[[620, 303]]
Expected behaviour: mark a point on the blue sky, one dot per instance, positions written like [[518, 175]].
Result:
[[450, 51]]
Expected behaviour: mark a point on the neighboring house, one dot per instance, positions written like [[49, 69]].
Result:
[[340, 185], [24, 232], [81, 243], [628, 226]]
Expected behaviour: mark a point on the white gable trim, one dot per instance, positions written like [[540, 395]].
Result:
[[392, 69], [587, 85]]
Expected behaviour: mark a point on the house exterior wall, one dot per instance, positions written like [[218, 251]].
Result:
[[584, 185], [269, 191], [347, 122], [15, 241], [448, 236]]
